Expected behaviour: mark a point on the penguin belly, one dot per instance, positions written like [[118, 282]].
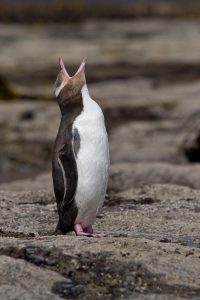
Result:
[[92, 164]]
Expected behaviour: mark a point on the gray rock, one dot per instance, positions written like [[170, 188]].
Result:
[[27, 213], [42, 182], [146, 38], [124, 176], [114, 267], [167, 213], [22, 280], [144, 141], [16, 292], [152, 246]]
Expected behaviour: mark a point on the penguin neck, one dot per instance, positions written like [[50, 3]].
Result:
[[79, 102], [85, 95]]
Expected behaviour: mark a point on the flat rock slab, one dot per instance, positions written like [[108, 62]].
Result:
[[152, 246], [27, 218], [104, 267], [162, 212], [124, 176], [42, 183], [147, 141], [22, 280], [34, 47]]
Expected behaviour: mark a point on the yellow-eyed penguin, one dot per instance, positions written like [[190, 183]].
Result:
[[80, 163]]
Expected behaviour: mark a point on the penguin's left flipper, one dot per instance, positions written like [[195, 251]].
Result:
[[67, 207], [69, 171]]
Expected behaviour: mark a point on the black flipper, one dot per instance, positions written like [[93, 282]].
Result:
[[66, 178]]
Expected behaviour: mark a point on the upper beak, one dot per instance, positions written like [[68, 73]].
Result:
[[82, 66]]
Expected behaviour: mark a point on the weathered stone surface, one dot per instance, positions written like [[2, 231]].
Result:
[[124, 176], [161, 212], [139, 41], [36, 12], [41, 183], [13, 292], [111, 267], [145, 141], [167, 213], [27, 213], [152, 246], [26, 125], [22, 280], [27, 138], [144, 75]]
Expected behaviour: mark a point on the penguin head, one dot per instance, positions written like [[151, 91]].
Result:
[[67, 88]]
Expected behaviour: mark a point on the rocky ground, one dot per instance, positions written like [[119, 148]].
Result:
[[146, 76]]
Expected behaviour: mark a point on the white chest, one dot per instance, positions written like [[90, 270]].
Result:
[[92, 162]]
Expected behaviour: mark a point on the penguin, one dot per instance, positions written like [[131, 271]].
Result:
[[80, 162]]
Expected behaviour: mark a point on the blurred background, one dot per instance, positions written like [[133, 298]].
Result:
[[143, 68]]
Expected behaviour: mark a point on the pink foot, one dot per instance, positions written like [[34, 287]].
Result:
[[86, 231]]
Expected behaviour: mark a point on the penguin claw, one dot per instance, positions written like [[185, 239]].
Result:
[[90, 234], [81, 233], [99, 234]]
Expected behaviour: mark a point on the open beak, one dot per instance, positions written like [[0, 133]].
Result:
[[65, 74], [64, 77]]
